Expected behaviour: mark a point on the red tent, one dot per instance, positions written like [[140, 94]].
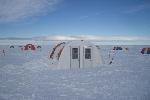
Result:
[[29, 47]]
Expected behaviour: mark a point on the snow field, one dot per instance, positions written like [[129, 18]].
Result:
[[29, 76]]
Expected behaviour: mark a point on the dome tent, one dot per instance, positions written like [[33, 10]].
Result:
[[77, 54], [29, 47], [39, 47], [12, 46]]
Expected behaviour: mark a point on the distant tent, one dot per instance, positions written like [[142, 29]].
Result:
[[98, 46], [76, 54], [117, 48], [29, 47], [12, 46], [145, 51], [39, 47]]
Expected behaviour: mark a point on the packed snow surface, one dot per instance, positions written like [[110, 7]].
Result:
[[28, 75]]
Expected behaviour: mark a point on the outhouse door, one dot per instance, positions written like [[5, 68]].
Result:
[[87, 56], [75, 57]]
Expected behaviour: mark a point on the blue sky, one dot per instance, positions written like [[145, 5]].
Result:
[[33, 18]]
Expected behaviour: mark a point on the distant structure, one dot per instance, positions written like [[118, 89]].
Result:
[[20, 46], [145, 51], [12, 46], [126, 48], [76, 54], [4, 52], [29, 47]]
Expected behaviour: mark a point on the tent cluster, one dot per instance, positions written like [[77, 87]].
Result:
[[120, 48], [75, 54], [117, 48], [145, 51], [27, 47]]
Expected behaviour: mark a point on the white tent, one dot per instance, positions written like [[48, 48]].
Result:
[[76, 54]]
